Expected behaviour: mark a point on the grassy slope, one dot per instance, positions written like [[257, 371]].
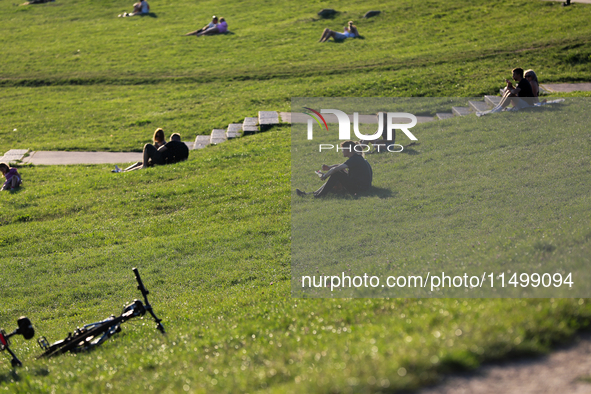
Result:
[[212, 234], [83, 39], [192, 85], [504, 193], [212, 239]]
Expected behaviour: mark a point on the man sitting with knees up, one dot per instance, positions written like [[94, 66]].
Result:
[[355, 175]]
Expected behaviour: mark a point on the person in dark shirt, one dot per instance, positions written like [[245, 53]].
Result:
[[174, 151], [520, 96], [171, 152], [357, 179]]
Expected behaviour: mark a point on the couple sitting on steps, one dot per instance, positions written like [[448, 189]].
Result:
[[525, 94]]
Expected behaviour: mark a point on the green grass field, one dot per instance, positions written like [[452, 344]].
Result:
[[212, 235], [472, 195], [98, 76]]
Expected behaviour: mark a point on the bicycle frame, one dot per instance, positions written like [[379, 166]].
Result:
[[94, 334]]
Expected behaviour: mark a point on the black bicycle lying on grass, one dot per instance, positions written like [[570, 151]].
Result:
[[25, 328], [94, 334]]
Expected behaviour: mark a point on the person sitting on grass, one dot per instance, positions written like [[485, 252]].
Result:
[[357, 179], [210, 25], [520, 96], [350, 32], [158, 142], [13, 178], [171, 152], [139, 8], [159, 138], [220, 28], [532, 78]]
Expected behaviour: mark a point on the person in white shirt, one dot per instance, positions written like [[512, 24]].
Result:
[[220, 28], [210, 25], [140, 8]]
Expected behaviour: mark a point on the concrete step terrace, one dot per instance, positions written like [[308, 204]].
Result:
[[250, 126], [234, 130], [478, 106], [202, 141], [460, 111], [218, 136], [444, 115], [492, 101]]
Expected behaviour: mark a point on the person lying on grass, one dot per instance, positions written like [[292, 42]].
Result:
[[354, 175], [139, 8], [220, 28], [37, 2], [350, 32], [13, 178], [171, 152], [210, 25]]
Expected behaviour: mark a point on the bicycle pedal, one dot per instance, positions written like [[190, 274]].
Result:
[[43, 343]]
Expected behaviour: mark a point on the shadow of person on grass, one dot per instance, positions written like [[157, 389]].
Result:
[[337, 41], [410, 151], [375, 191], [379, 192]]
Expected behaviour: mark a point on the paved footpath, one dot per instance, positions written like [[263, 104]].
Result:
[[566, 87], [566, 370], [51, 158]]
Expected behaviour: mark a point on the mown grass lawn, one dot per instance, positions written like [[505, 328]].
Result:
[[93, 75], [212, 236], [505, 193]]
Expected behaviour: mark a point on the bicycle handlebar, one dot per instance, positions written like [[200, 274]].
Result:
[[145, 292], [25, 328]]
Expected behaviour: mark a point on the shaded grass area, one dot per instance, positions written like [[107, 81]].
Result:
[[503, 193]]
